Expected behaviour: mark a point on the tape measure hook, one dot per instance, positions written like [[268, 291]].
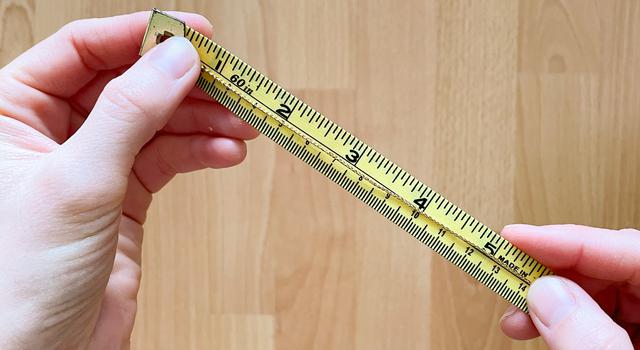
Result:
[[161, 26]]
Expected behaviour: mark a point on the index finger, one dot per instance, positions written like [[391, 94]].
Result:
[[593, 252], [63, 63]]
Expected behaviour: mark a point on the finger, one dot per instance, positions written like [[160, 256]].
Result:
[[604, 292], [168, 155], [591, 285], [133, 107], [86, 98], [567, 317], [593, 252], [197, 116], [137, 200], [518, 325], [34, 87], [61, 64], [194, 115]]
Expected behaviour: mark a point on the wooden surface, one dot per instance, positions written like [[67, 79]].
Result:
[[536, 107]]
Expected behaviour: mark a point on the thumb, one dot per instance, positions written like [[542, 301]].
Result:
[[133, 107], [568, 318]]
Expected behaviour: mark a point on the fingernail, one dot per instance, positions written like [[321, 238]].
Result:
[[174, 56], [510, 311], [517, 227], [550, 300]]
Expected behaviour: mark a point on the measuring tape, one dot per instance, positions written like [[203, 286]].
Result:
[[355, 166]]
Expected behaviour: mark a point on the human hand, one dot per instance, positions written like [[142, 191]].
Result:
[[87, 134], [596, 304]]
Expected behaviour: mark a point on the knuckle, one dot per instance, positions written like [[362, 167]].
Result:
[[207, 26], [598, 333], [571, 227], [613, 339], [76, 32], [125, 103], [631, 231], [74, 25]]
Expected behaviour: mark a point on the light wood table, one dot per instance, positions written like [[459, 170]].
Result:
[[518, 111]]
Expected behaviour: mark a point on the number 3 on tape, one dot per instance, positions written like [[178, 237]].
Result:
[[355, 166]]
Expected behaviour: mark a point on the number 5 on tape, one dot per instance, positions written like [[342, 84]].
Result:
[[355, 166]]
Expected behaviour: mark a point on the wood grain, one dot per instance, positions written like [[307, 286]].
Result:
[[518, 111]]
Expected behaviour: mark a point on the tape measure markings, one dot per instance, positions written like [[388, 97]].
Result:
[[355, 166], [391, 167]]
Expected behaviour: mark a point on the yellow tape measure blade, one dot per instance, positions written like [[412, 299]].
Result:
[[355, 166]]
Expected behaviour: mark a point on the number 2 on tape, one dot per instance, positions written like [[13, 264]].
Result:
[[355, 166]]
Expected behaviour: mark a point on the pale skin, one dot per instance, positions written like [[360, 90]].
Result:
[[88, 132], [596, 304]]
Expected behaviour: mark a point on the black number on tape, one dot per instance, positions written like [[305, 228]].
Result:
[[421, 203], [237, 80], [491, 248], [353, 156], [284, 111]]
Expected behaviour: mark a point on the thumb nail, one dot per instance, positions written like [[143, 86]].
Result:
[[550, 300], [512, 310], [175, 56]]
